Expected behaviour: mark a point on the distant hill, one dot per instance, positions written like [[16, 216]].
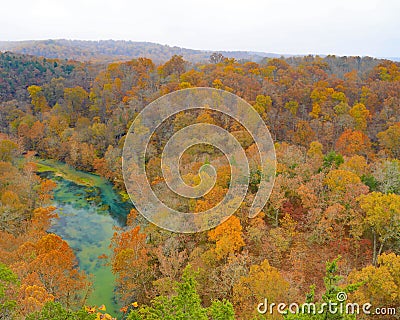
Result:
[[397, 59], [118, 50]]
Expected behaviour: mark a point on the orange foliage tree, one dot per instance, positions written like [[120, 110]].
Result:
[[130, 262], [353, 142]]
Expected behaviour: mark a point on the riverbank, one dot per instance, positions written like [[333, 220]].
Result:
[[67, 172]]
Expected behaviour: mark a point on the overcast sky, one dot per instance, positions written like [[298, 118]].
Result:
[[342, 27]]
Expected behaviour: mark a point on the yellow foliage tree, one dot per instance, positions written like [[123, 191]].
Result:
[[339, 180], [380, 283], [262, 282], [228, 238], [360, 115], [382, 217], [356, 164], [390, 140], [38, 99]]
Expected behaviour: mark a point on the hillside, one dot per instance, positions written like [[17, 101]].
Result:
[[18, 71], [335, 122], [118, 50]]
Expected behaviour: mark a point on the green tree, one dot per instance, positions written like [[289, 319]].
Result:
[[55, 311], [332, 159], [221, 310], [184, 305], [187, 302], [7, 280]]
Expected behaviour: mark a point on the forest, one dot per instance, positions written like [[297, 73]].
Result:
[[331, 224], [114, 50]]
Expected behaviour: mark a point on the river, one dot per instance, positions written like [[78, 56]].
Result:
[[89, 209]]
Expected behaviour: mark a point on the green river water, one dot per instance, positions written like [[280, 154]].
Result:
[[89, 209]]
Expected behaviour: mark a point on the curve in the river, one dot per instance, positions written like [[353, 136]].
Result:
[[89, 209]]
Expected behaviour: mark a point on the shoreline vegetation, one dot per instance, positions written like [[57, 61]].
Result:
[[67, 172], [80, 177]]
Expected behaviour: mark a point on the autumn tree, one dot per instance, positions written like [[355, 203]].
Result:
[[38, 99], [356, 164], [262, 282], [315, 154], [303, 134], [228, 238], [360, 115], [8, 150], [216, 57], [340, 180], [130, 263], [390, 140], [380, 284], [324, 99], [385, 176], [172, 260], [263, 105], [55, 264], [176, 65], [382, 218], [75, 102], [353, 142]]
